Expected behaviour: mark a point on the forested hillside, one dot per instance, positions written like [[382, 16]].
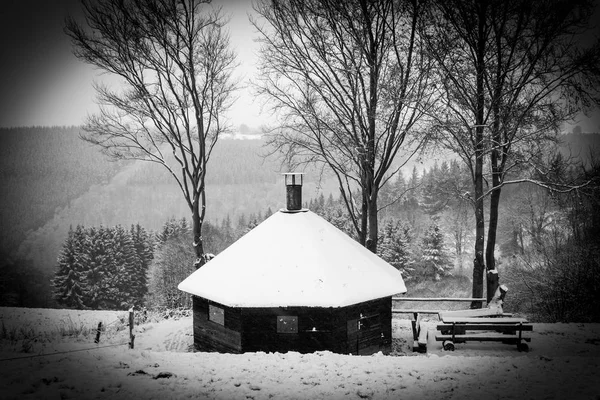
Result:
[[241, 181], [41, 171]]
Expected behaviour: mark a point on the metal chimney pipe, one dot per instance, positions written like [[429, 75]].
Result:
[[293, 183]]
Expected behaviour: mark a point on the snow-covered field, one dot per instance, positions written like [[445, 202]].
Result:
[[563, 363]]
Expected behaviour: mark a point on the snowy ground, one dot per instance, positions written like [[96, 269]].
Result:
[[563, 363]]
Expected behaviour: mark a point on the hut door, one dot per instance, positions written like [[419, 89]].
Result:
[[353, 336], [363, 335]]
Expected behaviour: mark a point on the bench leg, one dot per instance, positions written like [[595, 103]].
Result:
[[415, 326], [521, 345], [418, 345]]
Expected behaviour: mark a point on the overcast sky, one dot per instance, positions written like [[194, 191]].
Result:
[[42, 83]]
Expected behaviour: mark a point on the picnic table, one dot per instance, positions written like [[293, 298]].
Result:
[[455, 328], [459, 326], [419, 335]]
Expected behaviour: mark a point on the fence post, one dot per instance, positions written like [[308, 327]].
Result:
[[131, 335], [97, 340]]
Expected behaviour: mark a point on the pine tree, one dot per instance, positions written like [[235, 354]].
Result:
[[227, 229], [242, 225], [395, 248], [173, 262], [104, 268], [68, 278], [410, 204], [96, 244], [110, 262], [436, 262], [144, 250], [124, 283], [252, 223], [336, 215], [433, 196], [173, 228], [330, 202]]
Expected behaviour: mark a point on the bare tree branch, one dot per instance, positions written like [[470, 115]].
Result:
[[349, 83], [174, 61]]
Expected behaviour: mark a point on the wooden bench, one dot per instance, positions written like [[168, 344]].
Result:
[[456, 323], [419, 335], [489, 324], [500, 329]]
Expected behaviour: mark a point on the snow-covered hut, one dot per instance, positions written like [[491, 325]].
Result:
[[294, 283]]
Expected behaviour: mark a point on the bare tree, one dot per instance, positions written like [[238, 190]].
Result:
[[348, 82], [511, 72], [175, 67]]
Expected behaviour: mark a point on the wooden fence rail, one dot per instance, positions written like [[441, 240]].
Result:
[[399, 298]]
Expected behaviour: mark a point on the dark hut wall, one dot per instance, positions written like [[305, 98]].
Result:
[[364, 328], [212, 336], [317, 330], [369, 326]]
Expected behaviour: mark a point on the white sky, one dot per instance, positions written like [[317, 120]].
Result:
[[42, 83]]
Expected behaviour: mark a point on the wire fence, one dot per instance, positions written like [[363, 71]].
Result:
[[62, 352], [96, 340]]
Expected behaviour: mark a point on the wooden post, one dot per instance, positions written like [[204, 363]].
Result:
[[422, 339], [97, 340], [131, 335], [498, 299]]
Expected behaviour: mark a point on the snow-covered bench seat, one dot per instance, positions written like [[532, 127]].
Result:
[[420, 336], [509, 330]]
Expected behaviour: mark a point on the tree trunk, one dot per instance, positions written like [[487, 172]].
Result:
[[364, 219], [478, 262], [197, 233], [373, 237], [490, 260], [497, 158]]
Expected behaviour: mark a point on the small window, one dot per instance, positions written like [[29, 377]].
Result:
[[287, 324], [216, 314]]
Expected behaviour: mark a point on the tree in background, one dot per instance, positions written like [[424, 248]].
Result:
[[435, 261], [349, 83], [175, 65], [446, 195], [509, 73], [144, 250], [99, 268], [173, 228], [171, 265], [557, 278], [128, 276], [68, 279], [395, 248]]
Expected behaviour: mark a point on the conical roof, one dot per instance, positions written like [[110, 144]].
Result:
[[294, 259]]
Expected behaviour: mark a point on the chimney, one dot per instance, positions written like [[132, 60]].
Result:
[[293, 184]]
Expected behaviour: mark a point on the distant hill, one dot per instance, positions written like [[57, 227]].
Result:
[[41, 170], [240, 181]]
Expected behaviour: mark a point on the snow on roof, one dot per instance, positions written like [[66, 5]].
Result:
[[294, 259]]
